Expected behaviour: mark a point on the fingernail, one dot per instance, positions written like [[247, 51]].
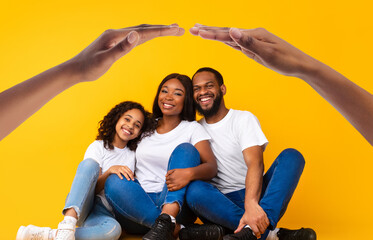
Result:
[[197, 24], [131, 38], [174, 25], [236, 33]]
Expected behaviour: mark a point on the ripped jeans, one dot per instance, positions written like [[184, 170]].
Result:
[[132, 204], [94, 220]]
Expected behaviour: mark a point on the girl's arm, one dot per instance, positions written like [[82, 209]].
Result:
[[179, 178], [116, 169]]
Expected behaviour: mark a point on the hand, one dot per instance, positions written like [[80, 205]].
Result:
[[260, 45], [113, 44], [256, 218], [178, 178], [122, 170]]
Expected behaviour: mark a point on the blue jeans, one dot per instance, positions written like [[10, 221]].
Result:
[[131, 202], [94, 220], [279, 183]]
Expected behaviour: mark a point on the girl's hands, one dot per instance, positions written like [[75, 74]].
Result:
[[122, 170]]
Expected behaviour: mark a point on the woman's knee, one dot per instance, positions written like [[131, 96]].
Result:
[[114, 184], [185, 153]]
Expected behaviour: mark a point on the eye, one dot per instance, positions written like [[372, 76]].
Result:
[[137, 126], [196, 89], [210, 86], [178, 94], [127, 119], [163, 91]]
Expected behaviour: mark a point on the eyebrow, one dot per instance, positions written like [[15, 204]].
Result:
[[175, 88], [204, 83], [132, 118]]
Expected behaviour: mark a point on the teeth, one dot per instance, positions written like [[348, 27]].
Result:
[[124, 130], [167, 105], [205, 99]]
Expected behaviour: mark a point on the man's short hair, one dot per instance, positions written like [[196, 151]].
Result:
[[217, 74]]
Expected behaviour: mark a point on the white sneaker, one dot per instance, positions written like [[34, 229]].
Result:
[[65, 231], [32, 232]]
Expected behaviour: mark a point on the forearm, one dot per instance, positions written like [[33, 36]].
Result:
[[253, 183], [205, 171], [21, 101], [352, 101]]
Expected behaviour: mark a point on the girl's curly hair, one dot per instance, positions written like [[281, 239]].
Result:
[[106, 131]]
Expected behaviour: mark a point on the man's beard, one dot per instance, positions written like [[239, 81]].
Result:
[[214, 108]]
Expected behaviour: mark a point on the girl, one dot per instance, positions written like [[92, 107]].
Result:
[[166, 162], [111, 153]]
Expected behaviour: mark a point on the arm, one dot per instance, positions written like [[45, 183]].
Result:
[[254, 215], [21, 101], [179, 178], [352, 101], [116, 169]]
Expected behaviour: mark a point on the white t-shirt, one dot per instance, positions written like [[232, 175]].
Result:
[[237, 131], [107, 158], [153, 153]]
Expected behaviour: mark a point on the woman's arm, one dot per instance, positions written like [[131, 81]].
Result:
[[179, 178], [21, 101], [116, 169]]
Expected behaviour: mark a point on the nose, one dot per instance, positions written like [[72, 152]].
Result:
[[203, 91], [169, 96]]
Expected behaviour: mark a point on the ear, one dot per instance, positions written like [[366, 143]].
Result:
[[223, 88]]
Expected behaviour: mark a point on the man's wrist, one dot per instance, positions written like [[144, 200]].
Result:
[[249, 202]]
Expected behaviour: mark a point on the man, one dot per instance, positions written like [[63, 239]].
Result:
[[239, 198]]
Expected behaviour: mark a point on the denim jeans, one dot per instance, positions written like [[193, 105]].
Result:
[[279, 183], [131, 202], [94, 220]]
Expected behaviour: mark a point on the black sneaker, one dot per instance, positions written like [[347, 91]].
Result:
[[300, 234], [244, 234], [202, 232], [162, 229]]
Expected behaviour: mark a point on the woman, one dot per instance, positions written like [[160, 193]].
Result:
[[166, 162]]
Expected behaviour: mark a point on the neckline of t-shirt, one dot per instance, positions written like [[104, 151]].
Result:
[[221, 122], [115, 148], [170, 132], [121, 149]]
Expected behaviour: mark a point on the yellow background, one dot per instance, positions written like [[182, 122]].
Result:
[[39, 159]]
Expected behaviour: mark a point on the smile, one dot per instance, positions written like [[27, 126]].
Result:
[[125, 131], [167, 106], [205, 100]]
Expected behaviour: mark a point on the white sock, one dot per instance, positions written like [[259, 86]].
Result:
[[273, 234], [70, 220], [173, 220]]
